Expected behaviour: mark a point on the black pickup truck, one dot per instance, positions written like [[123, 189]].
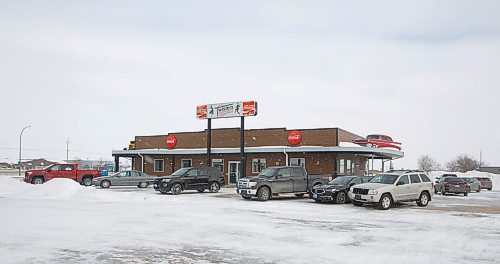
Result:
[[276, 180], [190, 178]]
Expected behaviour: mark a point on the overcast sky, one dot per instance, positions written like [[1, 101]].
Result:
[[99, 73]]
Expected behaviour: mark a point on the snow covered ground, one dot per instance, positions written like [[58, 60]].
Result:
[[63, 222]]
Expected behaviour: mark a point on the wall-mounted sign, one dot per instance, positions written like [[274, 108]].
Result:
[[234, 109], [171, 141], [294, 137]]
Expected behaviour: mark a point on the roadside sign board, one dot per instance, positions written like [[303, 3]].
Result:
[[225, 110]]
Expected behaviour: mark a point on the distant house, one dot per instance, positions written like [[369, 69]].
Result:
[[35, 164], [94, 164], [495, 170]]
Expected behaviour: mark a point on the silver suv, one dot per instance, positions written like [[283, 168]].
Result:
[[388, 188]]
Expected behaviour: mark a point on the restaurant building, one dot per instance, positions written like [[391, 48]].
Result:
[[320, 151]]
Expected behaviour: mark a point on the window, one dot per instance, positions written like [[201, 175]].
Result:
[[135, 174], [414, 178], [404, 179], [341, 167], [67, 167], [297, 172], [158, 165], [218, 164], [349, 167], [356, 180], [298, 162], [424, 178], [284, 173], [192, 173], [56, 168], [258, 165], [187, 163]]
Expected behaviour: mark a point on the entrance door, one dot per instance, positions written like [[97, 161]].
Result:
[[234, 171]]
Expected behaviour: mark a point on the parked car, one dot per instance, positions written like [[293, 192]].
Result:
[[474, 184], [125, 178], [61, 171], [199, 179], [388, 188], [276, 180], [337, 190], [485, 183], [452, 185], [378, 141], [437, 179]]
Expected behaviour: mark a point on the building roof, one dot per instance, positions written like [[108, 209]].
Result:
[[370, 152]]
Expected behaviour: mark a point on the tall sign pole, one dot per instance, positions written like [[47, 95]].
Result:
[[20, 147], [226, 110]]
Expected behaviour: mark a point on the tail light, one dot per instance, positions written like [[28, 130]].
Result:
[[448, 184]]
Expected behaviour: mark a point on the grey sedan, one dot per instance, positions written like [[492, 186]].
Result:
[[125, 178], [475, 184]]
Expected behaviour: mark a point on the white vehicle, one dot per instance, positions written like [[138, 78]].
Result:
[[388, 188]]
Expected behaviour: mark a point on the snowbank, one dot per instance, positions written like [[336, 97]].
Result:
[[495, 178]]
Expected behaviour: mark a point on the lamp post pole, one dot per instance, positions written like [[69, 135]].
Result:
[[20, 145]]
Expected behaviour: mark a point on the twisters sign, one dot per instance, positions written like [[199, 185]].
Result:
[[224, 110]]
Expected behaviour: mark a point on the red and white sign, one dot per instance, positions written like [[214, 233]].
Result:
[[294, 137], [234, 109], [171, 141]]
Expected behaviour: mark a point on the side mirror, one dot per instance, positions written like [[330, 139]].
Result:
[[278, 176], [352, 184], [400, 183], [49, 170]]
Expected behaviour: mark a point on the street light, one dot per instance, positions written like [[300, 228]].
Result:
[[20, 144]]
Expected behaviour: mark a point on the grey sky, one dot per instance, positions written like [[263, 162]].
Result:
[[100, 72]]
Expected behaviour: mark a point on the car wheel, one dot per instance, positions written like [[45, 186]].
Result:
[[423, 200], [356, 203], [478, 189], [466, 193], [263, 194], [246, 197], [490, 189], [385, 202], [299, 194], [105, 184], [143, 184], [341, 198], [214, 187], [37, 180], [442, 191], [87, 181], [176, 188]]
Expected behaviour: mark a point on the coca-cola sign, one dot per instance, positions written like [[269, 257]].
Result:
[[294, 137], [171, 141]]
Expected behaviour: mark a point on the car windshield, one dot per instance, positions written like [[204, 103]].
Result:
[[341, 180], [454, 180], [268, 172], [180, 172], [384, 178]]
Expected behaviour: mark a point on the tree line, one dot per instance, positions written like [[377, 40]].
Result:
[[462, 163]]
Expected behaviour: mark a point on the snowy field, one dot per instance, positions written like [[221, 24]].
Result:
[[63, 222]]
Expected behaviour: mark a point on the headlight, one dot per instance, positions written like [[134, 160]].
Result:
[[372, 192], [252, 184], [333, 190], [166, 180]]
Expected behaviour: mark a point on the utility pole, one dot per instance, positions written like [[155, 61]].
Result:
[[67, 150], [20, 146]]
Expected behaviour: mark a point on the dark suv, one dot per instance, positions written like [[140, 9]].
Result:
[[337, 190], [190, 178], [452, 185]]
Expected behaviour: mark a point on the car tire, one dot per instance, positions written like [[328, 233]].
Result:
[[143, 184], [478, 189], [423, 200], [246, 197], [176, 189], [442, 191], [490, 189], [37, 180], [214, 187], [340, 198], [87, 181], [105, 184], [263, 194], [356, 203], [466, 193], [299, 195], [385, 202]]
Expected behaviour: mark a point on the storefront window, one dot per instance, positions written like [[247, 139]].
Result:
[[341, 167], [349, 167], [298, 162], [218, 163], [187, 163], [158, 165], [258, 165]]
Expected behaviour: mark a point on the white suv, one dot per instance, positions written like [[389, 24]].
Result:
[[388, 188]]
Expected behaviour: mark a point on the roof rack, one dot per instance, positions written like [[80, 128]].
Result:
[[406, 171]]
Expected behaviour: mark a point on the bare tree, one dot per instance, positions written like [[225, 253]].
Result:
[[463, 163], [427, 163]]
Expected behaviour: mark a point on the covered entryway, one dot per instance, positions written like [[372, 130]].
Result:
[[234, 171]]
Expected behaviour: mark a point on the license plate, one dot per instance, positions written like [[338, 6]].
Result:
[[357, 196], [458, 186], [315, 196]]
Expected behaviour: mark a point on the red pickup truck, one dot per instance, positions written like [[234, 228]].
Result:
[[65, 171]]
